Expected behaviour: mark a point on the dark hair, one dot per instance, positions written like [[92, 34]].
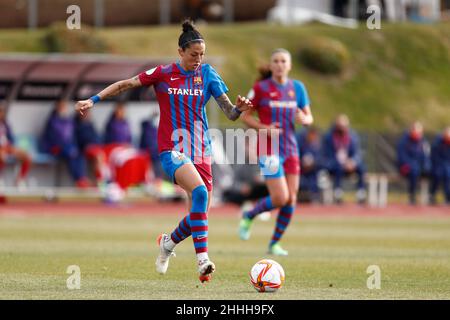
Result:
[[190, 34], [264, 72]]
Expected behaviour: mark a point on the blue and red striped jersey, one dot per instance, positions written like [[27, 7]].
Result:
[[278, 103], [182, 96]]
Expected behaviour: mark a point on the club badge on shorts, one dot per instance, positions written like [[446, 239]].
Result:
[[177, 157]]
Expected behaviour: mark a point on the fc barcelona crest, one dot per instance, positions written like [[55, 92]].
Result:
[[197, 80], [291, 93]]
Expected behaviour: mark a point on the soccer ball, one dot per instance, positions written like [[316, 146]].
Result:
[[267, 276]]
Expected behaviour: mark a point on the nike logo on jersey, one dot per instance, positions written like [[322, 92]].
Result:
[[150, 72], [172, 79], [273, 94], [185, 92]]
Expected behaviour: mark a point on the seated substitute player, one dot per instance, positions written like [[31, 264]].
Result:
[[342, 157], [7, 149], [440, 165], [183, 89], [413, 158], [88, 142], [58, 139], [310, 152], [117, 129], [280, 103]]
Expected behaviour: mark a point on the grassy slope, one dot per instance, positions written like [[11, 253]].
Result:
[[116, 256], [397, 75]]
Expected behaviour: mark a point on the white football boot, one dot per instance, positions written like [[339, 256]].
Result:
[[162, 262], [205, 269]]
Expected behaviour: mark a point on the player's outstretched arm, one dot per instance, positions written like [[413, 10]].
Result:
[[233, 111], [110, 91]]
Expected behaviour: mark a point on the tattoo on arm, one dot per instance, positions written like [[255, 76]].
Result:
[[122, 87], [118, 88], [227, 107]]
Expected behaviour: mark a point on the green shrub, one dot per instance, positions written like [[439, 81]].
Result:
[[61, 39], [327, 56]]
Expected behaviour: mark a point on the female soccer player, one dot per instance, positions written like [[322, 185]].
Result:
[[183, 89], [280, 103]]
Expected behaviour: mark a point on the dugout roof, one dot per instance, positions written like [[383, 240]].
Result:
[[56, 76], [14, 69]]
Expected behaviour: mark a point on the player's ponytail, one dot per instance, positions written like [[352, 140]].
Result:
[[264, 72], [188, 25], [190, 35]]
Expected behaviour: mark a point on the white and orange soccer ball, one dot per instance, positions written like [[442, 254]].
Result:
[[267, 276]]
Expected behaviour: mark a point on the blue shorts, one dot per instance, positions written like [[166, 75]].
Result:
[[172, 160], [274, 166]]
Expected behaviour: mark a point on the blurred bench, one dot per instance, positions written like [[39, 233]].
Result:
[[377, 188], [29, 143]]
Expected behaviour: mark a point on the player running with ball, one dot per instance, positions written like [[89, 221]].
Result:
[[183, 89], [280, 103]]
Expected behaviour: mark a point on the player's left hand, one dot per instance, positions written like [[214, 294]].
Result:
[[83, 105], [243, 104], [305, 119]]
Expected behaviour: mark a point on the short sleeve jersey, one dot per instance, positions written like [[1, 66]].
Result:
[[182, 96], [277, 103]]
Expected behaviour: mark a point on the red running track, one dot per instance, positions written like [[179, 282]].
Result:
[[150, 208]]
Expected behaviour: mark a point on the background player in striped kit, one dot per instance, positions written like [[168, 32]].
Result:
[[183, 89], [280, 102]]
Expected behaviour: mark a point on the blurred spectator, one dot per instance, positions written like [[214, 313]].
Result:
[[7, 149], [88, 141], [412, 158], [248, 183], [440, 165], [149, 144], [340, 8], [342, 157], [127, 165], [58, 139], [118, 128], [309, 142], [85, 133]]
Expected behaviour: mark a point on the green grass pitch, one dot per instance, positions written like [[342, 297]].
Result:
[[328, 257]]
